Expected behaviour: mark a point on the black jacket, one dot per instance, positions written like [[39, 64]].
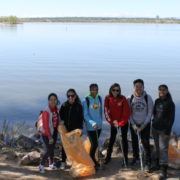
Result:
[[72, 115], [164, 114]]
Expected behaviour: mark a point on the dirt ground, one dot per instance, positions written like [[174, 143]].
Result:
[[112, 171]]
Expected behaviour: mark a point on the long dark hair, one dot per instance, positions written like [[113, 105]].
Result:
[[77, 100], [166, 87], [55, 95], [113, 86]]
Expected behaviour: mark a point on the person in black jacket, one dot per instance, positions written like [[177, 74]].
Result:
[[164, 113], [71, 114]]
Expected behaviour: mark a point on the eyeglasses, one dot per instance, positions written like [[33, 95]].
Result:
[[115, 90], [71, 96]]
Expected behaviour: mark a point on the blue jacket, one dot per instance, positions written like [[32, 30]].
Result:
[[93, 112]]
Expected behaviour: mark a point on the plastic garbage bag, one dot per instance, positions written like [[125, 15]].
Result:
[[77, 149]]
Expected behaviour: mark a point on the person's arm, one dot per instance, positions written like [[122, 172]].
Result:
[[107, 110], [171, 117], [45, 119], [62, 114], [130, 118], [86, 114], [150, 110], [81, 117], [126, 112]]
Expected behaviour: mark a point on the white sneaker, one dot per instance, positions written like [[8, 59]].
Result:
[[41, 169], [63, 166], [52, 166]]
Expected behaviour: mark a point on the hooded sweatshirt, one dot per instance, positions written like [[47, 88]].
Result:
[[93, 113], [141, 111], [164, 114], [72, 115]]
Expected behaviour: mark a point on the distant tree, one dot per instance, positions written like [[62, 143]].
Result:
[[9, 19]]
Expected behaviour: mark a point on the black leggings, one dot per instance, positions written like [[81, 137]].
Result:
[[145, 136], [124, 130], [93, 137], [49, 154]]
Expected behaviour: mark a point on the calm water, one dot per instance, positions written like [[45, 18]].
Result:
[[39, 58]]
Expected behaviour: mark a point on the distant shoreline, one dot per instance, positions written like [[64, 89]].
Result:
[[157, 20], [103, 20]]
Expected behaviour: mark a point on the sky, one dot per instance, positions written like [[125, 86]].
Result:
[[93, 8]]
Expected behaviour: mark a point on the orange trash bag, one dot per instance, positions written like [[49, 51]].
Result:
[[77, 149]]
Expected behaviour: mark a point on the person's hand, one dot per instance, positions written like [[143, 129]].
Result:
[[141, 127], [134, 127], [115, 122], [95, 126], [51, 140]]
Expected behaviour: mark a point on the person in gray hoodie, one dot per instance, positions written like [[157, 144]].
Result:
[[140, 121]]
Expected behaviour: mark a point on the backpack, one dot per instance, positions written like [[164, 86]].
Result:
[[39, 122], [88, 102]]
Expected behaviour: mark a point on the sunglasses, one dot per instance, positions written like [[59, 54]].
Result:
[[115, 90], [162, 89], [71, 96]]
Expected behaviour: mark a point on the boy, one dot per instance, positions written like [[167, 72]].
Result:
[[140, 121]]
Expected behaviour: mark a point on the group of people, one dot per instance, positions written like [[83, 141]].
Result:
[[137, 113]]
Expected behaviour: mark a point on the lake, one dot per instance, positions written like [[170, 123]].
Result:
[[39, 58]]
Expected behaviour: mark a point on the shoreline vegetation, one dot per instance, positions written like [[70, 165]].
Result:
[[9, 20], [158, 20]]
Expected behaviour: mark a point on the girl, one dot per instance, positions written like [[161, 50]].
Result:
[[71, 113], [164, 113], [92, 106], [117, 113], [50, 122]]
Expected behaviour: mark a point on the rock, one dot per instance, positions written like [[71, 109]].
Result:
[[178, 144], [32, 158], [8, 154], [25, 142], [35, 136], [174, 155], [2, 144]]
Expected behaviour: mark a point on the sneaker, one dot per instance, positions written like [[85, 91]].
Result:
[[163, 173], [63, 165], [53, 167], [41, 169], [147, 168]]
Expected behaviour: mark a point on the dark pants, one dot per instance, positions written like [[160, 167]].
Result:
[[161, 143], [64, 157], [145, 136], [49, 154], [93, 137], [124, 130]]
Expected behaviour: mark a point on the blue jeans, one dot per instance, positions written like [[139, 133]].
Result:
[[161, 143]]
